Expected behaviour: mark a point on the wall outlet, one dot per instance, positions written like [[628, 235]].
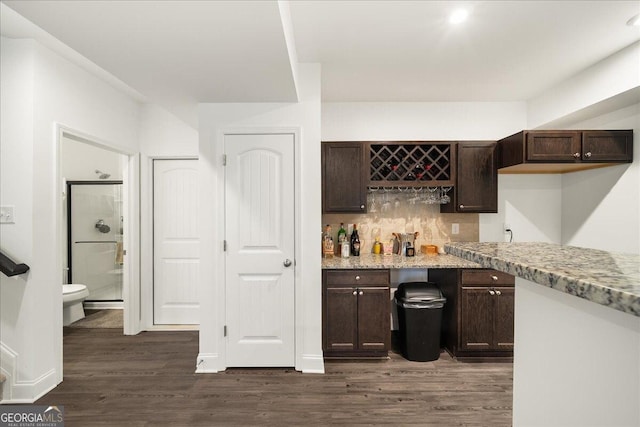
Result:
[[6, 215], [455, 228], [506, 227]]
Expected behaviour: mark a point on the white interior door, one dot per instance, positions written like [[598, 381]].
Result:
[[176, 242], [259, 216]]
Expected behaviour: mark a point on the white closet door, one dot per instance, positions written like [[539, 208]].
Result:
[[259, 191], [176, 244]]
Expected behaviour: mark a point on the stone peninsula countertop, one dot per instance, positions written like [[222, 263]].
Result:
[[607, 278], [372, 261]]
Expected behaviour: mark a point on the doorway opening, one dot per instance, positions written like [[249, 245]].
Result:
[[93, 231]]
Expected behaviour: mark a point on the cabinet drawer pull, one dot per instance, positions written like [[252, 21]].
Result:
[[360, 293], [357, 277], [492, 292], [576, 155], [587, 154], [498, 292], [494, 278], [355, 292], [361, 206], [461, 206]]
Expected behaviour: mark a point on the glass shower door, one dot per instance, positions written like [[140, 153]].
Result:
[[95, 238]]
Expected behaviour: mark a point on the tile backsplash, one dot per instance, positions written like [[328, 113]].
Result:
[[402, 216]]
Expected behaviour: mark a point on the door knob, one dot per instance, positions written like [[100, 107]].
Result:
[[287, 263]]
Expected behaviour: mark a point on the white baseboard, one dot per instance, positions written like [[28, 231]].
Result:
[[103, 305], [207, 363], [16, 390], [312, 364], [172, 328]]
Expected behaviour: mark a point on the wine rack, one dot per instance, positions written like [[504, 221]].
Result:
[[411, 164]]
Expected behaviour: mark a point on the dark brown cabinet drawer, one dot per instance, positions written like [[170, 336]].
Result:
[[486, 277], [357, 277]]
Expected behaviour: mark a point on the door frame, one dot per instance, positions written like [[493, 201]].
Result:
[[131, 238], [220, 231], [146, 246]]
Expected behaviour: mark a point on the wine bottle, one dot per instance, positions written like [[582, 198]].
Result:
[[355, 241]]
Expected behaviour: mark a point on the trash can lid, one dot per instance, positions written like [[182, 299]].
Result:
[[418, 291]]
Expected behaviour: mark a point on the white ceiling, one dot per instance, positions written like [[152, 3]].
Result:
[[179, 53]]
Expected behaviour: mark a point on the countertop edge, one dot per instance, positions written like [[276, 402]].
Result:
[[600, 294], [376, 262]]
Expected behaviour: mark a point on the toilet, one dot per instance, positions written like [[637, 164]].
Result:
[[72, 298]]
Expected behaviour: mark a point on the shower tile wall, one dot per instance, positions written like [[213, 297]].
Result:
[[404, 217]]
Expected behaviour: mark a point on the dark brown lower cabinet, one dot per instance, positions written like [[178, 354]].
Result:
[[355, 313], [478, 316]]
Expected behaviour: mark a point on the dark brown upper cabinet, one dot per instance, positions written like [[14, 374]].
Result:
[[343, 174], [476, 187], [559, 151]]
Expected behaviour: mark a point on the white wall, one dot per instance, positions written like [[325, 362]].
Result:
[[576, 365], [162, 134], [530, 205], [214, 119], [612, 76], [601, 207], [79, 161], [62, 93], [16, 188], [407, 121]]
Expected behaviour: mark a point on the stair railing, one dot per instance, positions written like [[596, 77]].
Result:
[[10, 268]]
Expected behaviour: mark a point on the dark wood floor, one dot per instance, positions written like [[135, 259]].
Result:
[[149, 380]]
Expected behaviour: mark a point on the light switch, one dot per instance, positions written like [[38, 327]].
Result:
[[6, 215], [455, 228]]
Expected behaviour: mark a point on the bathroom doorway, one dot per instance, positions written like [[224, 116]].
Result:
[[93, 228]]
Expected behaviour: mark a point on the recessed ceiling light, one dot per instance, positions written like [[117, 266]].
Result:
[[634, 21], [458, 16]]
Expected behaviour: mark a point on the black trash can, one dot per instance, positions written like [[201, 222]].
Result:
[[419, 307]]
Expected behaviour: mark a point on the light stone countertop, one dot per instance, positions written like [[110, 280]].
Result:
[[372, 261], [607, 278]]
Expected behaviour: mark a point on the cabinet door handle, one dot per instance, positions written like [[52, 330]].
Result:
[[355, 292], [357, 277], [360, 293], [492, 292], [461, 206], [494, 278], [498, 292], [576, 155], [587, 154], [361, 206]]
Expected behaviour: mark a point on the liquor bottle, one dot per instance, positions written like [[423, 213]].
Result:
[[355, 241], [327, 243], [342, 234], [343, 244]]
